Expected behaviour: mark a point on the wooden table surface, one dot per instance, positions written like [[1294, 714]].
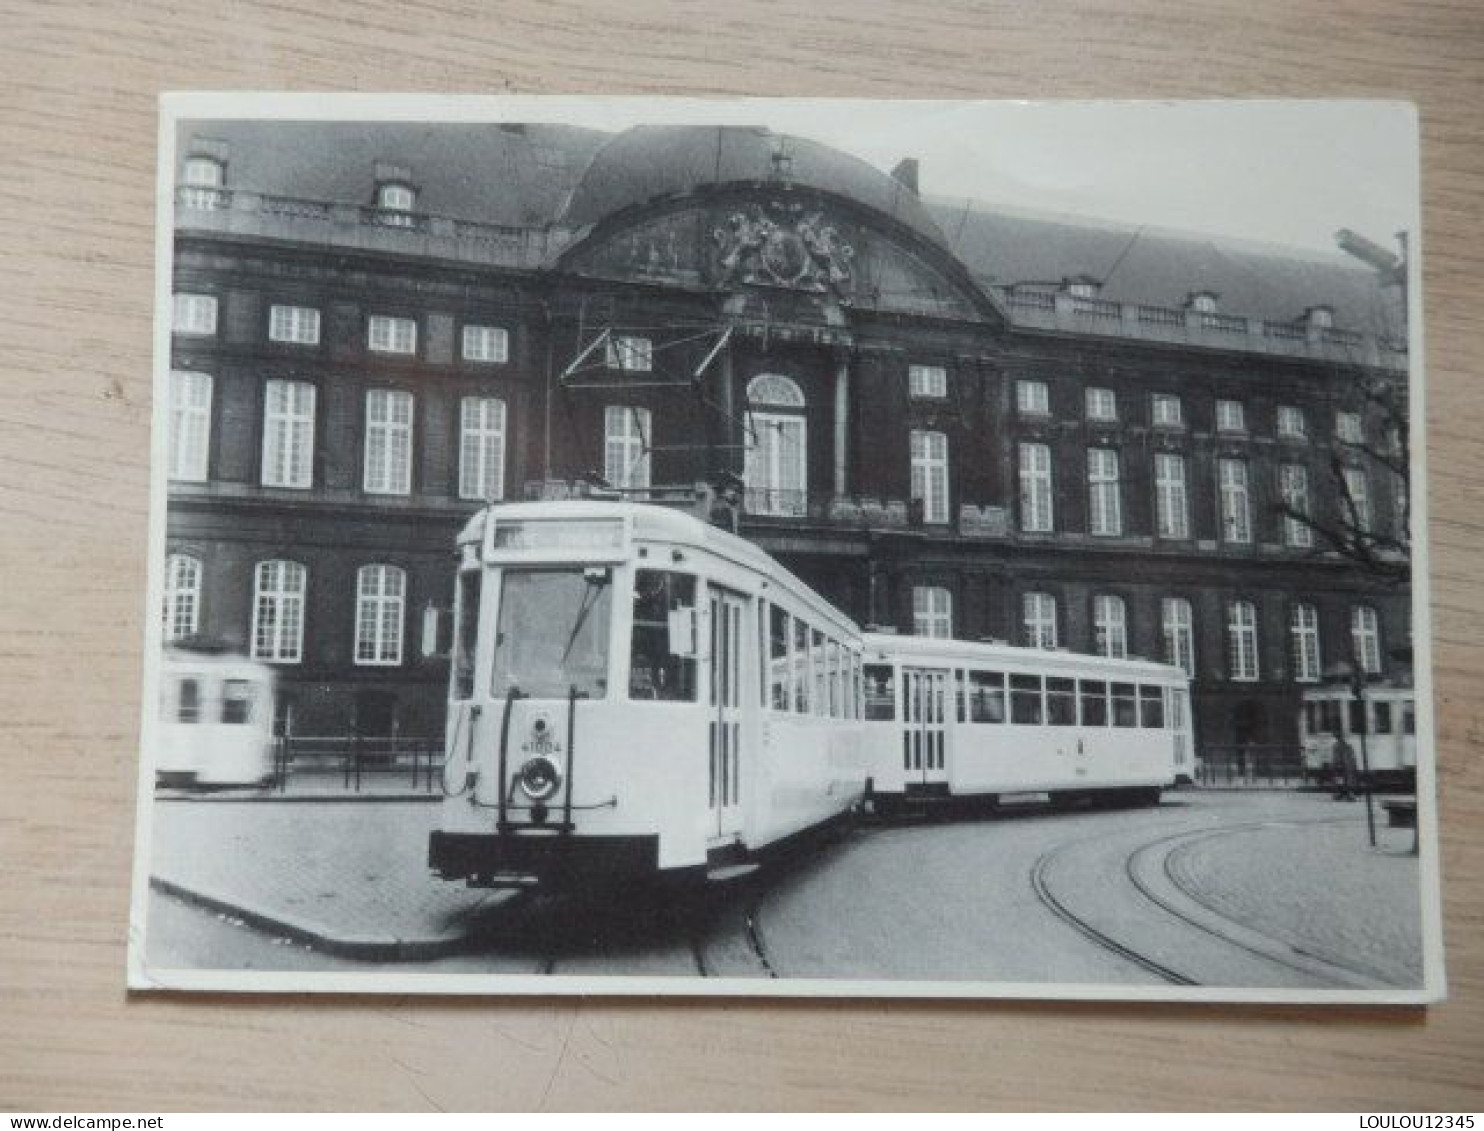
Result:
[[77, 160]]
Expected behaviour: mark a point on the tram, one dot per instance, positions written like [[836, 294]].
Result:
[[636, 693], [1386, 715], [216, 719], [948, 719]]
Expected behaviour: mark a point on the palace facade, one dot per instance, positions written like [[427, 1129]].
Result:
[[949, 418]]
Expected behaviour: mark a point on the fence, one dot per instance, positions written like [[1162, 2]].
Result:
[[1251, 767], [399, 762]]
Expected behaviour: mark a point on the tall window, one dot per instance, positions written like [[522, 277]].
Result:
[[1293, 484], [396, 201], [278, 612], [194, 314], [288, 434], [388, 469], [486, 343], [297, 324], [385, 334], [1291, 423], [1035, 488], [1358, 487], [1166, 412], [932, 611], [1032, 398], [182, 596], [1038, 615], [630, 353], [1348, 428], [481, 448], [1236, 502], [1101, 405], [1365, 635], [1230, 417], [381, 592], [626, 443], [190, 425], [201, 183], [1178, 623], [1304, 626], [1171, 505], [930, 474], [1110, 626], [1105, 508], [776, 467], [1241, 640], [927, 381]]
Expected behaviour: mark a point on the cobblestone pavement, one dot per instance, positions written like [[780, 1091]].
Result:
[[346, 876], [926, 899]]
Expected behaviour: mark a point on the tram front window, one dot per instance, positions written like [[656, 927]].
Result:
[[654, 672], [552, 635]]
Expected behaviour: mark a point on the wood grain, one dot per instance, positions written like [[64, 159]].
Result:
[[77, 121]]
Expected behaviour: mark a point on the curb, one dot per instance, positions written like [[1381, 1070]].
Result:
[[374, 948], [296, 798]]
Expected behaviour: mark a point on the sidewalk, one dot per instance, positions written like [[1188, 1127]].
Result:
[[329, 785], [350, 880]]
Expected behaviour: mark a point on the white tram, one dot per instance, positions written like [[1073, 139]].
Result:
[[1387, 718], [953, 719], [637, 693], [216, 719]]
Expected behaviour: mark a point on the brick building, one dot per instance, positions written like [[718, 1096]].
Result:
[[949, 418]]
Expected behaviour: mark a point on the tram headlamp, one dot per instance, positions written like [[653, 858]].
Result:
[[539, 778]]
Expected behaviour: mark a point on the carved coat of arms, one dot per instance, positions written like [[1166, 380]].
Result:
[[800, 251]]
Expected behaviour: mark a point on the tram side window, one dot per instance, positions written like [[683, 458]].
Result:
[[816, 665], [1151, 707], [237, 701], [778, 631], [1329, 717], [1382, 713], [987, 697], [1094, 703], [881, 693], [1061, 701], [466, 631], [1357, 718], [188, 709], [1125, 705], [1409, 721], [1025, 700], [654, 672], [801, 667]]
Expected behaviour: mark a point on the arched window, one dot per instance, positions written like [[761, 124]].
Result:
[[1304, 625], [381, 592], [182, 596], [278, 612], [1241, 640], [1038, 616], [1110, 626], [776, 468]]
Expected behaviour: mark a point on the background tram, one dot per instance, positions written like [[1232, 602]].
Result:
[[953, 719], [1386, 715], [216, 719], [637, 693]]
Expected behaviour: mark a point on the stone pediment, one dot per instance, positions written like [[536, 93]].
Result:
[[782, 242]]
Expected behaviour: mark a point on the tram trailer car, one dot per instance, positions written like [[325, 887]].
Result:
[[215, 724], [1386, 715], [637, 694], [949, 719]]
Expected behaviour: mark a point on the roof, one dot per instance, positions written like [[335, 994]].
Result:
[[517, 175], [1009, 656], [648, 163], [1003, 245]]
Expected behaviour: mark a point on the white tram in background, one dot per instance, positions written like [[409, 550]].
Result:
[[215, 723], [953, 719], [637, 693], [1386, 716]]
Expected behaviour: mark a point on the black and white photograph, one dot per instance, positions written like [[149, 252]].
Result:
[[788, 547]]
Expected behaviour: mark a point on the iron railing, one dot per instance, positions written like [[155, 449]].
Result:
[[358, 762], [1249, 766]]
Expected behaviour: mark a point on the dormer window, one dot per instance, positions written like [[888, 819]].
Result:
[[396, 197], [1202, 302], [1320, 317], [1082, 288], [201, 181]]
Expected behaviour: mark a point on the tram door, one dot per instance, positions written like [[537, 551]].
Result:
[[725, 777], [925, 725]]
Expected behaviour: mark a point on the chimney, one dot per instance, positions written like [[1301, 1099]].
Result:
[[906, 173]]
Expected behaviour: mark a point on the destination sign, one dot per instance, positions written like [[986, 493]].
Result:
[[547, 534]]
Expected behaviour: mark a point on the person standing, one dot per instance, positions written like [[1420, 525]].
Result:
[[1345, 768]]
